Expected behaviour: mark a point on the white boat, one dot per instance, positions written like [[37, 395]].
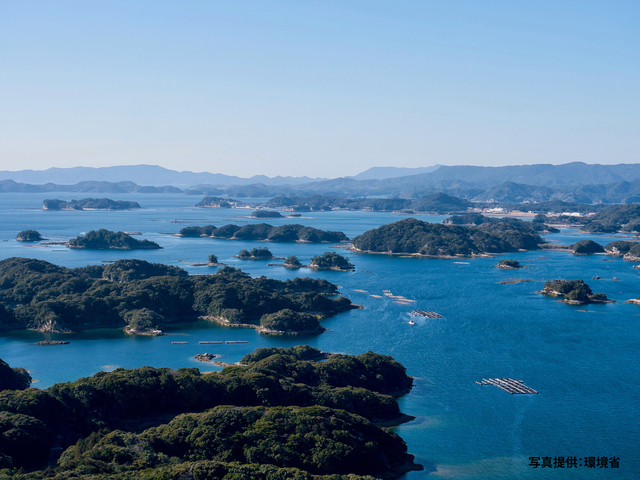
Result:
[[411, 322]]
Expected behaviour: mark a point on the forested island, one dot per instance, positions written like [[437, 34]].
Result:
[[587, 247], [140, 296], [411, 236], [279, 415], [331, 261], [255, 254], [221, 202], [106, 239], [89, 204], [435, 202], [264, 231], [29, 236], [574, 292], [266, 214]]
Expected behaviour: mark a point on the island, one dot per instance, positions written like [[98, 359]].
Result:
[[212, 261], [106, 239], [141, 297], [288, 322], [418, 238], [292, 262], [574, 292], [220, 202], [292, 416], [264, 231], [266, 214], [509, 264], [205, 357], [256, 254], [587, 247], [29, 236], [331, 261], [89, 204]]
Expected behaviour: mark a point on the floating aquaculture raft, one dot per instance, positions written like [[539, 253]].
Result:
[[510, 385], [422, 313]]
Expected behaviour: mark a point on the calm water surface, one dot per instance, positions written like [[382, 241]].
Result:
[[581, 360]]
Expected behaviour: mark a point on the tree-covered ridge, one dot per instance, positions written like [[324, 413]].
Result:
[[39, 295], [435, 202], [279, 409], [13, 378], [106, 239], [418, 237], [573, 291], [264, 231], [89, 203], [619, 218], [29, 236], [477, 219]]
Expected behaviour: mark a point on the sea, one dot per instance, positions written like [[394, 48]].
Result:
[[582, 360]]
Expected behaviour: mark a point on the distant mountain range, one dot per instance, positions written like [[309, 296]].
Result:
[[380, 173], [141, 174], [571, 182]]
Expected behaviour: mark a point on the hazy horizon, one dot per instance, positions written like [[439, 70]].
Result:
[[317, 89]]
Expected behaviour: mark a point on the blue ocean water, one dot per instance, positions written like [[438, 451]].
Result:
[[581, 360]]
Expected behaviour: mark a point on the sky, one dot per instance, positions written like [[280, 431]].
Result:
[[318, 88]]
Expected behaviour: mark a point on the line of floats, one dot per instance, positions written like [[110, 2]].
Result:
[[212, 342], [402, 300], [514, 387]]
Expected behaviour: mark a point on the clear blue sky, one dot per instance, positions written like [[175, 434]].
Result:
[[317, 88]]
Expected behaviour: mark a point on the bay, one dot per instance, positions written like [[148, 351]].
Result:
[[582, 363]]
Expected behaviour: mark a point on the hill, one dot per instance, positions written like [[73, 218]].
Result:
[[417, 237], [277, 415], [106, 239]]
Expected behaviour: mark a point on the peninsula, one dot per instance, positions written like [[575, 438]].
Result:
[[294, 417], [89, 204]]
